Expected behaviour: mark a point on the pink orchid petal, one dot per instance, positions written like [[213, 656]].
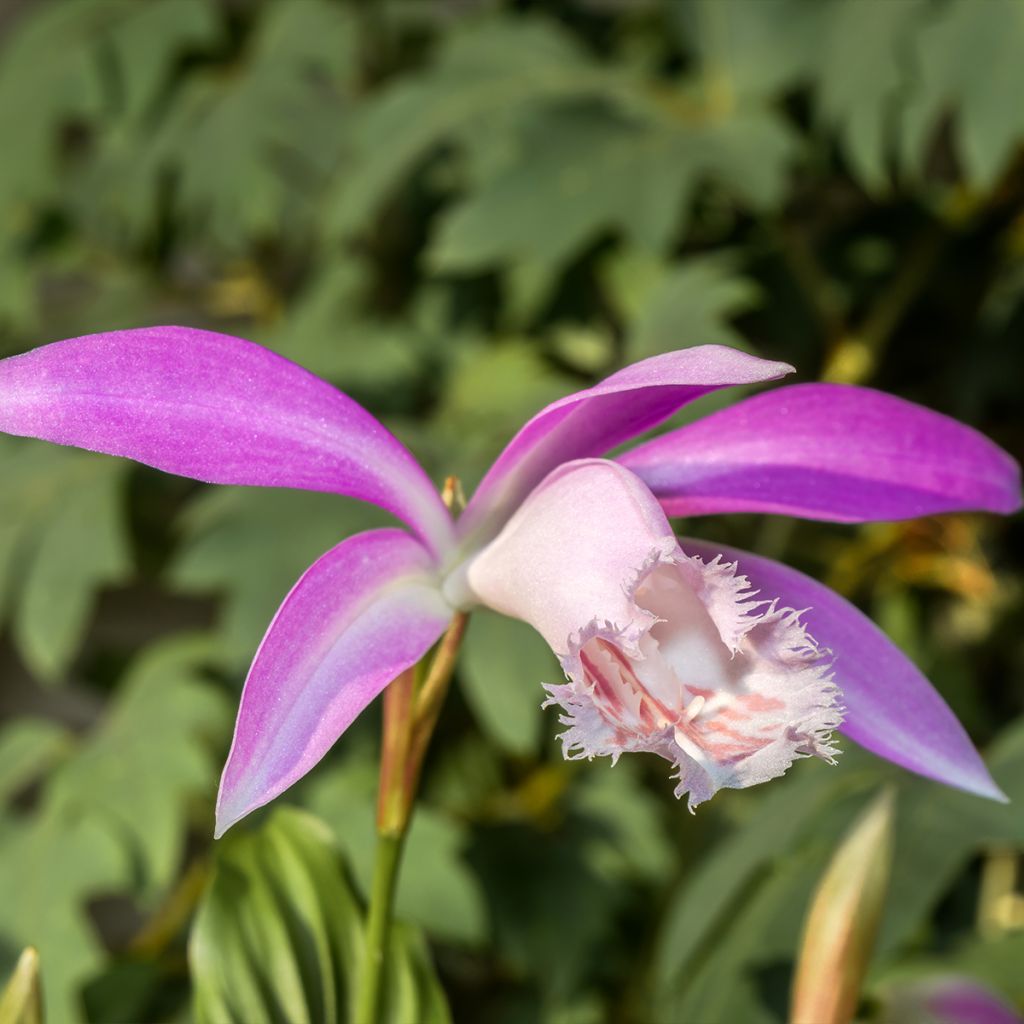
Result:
[[827, 451], [891, 708], [218, 409], [591, 422], [360, 615]]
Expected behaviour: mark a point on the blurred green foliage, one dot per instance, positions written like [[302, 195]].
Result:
[[459, 210]]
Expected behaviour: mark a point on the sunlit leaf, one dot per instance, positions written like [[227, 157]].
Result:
[[152, 754], [247, 148], [61, 538], [28, 746], [705, 898], [278, 933], [278, 936], [49, 868], [489, 69], [968, 58], [859, 99], [21, 1001], [675, 305]]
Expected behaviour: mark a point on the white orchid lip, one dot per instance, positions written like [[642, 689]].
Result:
[[728, 688], [663, 652]]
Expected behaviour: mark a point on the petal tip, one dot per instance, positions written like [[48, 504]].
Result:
[[226, 817], [984, 786], [236, 803]]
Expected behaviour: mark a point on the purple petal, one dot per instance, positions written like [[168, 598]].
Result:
[[591, 422], [891, 709], [947, 999], [360, 615], [218, 409], [827, 451]]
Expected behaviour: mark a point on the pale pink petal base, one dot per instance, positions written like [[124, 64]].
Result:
[[363, 613]]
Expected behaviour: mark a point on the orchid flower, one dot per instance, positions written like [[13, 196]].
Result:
[[726, 664]]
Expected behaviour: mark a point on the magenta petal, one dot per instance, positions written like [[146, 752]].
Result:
[[947, 999], [218, 409], [827, 451], [891, 709], [591, 422], [360, 615]]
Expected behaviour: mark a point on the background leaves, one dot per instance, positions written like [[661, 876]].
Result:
[[457, 213]]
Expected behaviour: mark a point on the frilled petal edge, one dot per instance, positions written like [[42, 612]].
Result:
[[360, 615], [891, 708]]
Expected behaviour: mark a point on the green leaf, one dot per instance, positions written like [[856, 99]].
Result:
[[858, 98], [327, 332], [28, 746], [487, 70], [150, 757], [413, 989], [503, 664], [113, 812], [18, 301], [252, 544], [676, 305], [940, 829], [572, 174], [757, 51], [47, 77], [631, 840], [725, 987], [150, 40], [967, 58], [713, 893], [436, 888], [553, 911], [248, 146], [575, 173], [62, 538], [49, 868], [278, 935]]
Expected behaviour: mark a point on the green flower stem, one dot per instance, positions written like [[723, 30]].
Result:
[[378, 925], [410, 714]]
